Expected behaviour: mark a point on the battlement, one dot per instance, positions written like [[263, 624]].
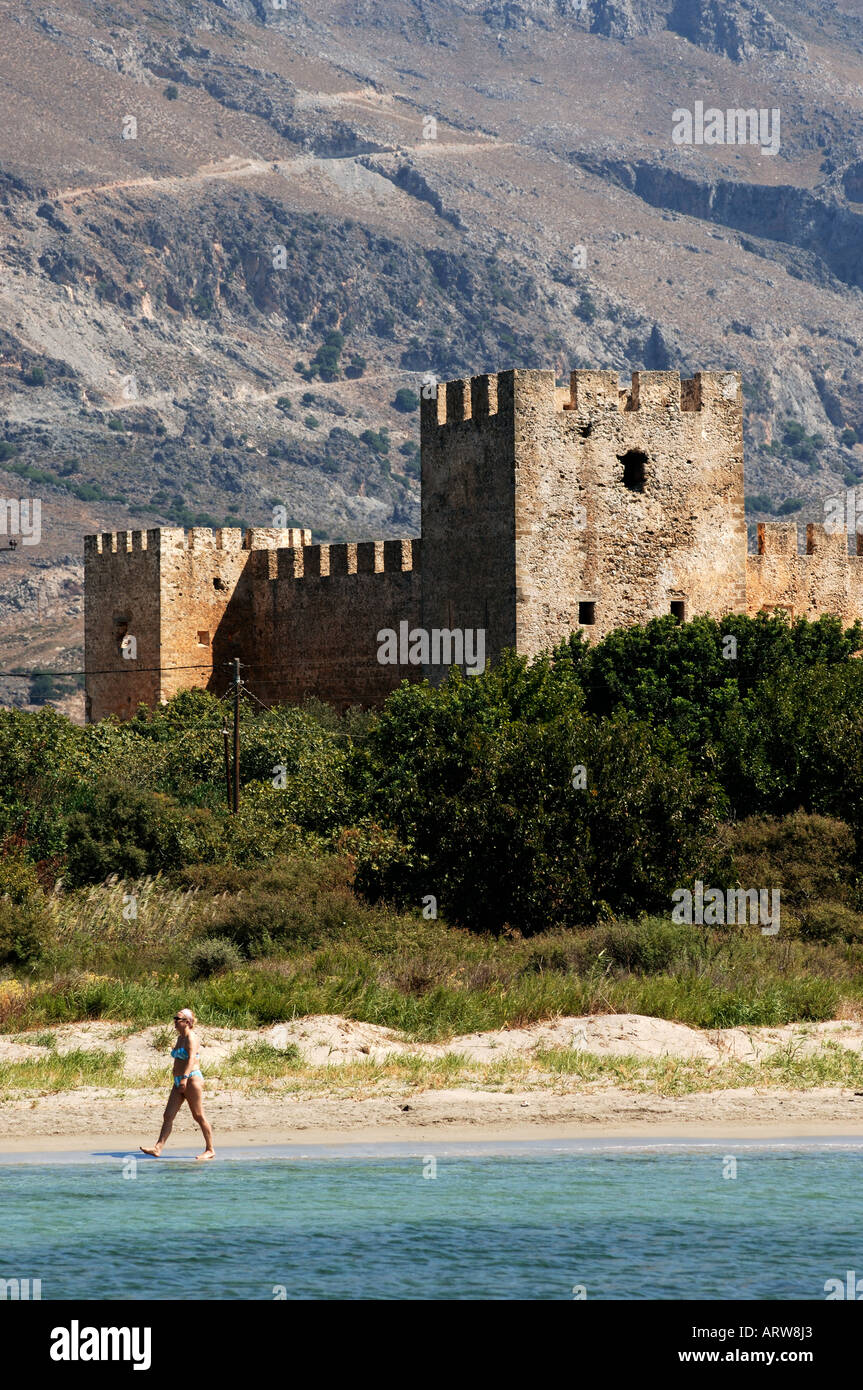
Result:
[[497, 394], [781, 538], [335, 561], [546, 510], [170, 539], [822, 579]]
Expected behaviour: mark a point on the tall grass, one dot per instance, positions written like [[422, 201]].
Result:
[[306, 945]]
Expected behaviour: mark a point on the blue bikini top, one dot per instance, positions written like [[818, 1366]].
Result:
[[180, 1053]]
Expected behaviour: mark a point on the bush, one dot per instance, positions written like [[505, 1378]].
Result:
[[212, 955], [474, 783], [302, 902], [130, 832], [406, 400], [652, 945], [43, 688], [810, 858], [378, 441], [831, 921], [25, 931], [18, 878], [171, 92]]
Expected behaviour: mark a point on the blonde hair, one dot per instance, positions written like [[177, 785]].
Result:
[[187, 1014]]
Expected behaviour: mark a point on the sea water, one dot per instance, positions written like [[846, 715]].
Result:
[[547, 1220]]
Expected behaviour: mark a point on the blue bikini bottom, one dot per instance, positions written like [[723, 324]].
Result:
[[197, 1072]]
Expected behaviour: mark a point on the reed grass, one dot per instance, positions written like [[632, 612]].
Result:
[[312, 947]]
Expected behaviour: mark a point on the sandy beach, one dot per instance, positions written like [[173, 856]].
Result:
[[101, 1120], [336, 1104]]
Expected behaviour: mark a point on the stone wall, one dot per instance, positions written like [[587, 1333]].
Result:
[[121, 600], [626, 503], [468, 511], [826, 579], [207, 587], [303, 619], [545, 510], [317, 615]]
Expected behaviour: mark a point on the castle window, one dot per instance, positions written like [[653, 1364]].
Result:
[[678, 609], [587, 612], [634, 466], [219, 583], [203, 639]]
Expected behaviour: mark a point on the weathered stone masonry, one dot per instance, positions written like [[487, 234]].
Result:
[[545, 510]]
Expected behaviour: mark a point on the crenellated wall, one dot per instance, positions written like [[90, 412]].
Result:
[[826, 579], [303, 619], [317, 616], [532, 479], [545, 510], [121, 599], [468, 509]]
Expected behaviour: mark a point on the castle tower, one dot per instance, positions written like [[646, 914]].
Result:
[[549, 510], [545, 510], [164, 610]]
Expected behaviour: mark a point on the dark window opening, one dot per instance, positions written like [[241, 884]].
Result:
[[219, 583], [678, 609], [587, 613], [634, 469]]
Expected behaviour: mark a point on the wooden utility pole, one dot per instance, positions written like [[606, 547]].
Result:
[[226, 736], [236, 805]]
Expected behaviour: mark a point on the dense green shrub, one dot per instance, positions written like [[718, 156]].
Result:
[[477, 781], [779, 723], [465, 794], [25, 931], [213, 954], [831, 921], [130, 832], [809, 858], [18, 878], [653, 945]]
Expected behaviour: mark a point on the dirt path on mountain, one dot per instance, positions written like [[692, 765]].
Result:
[[239, 167]]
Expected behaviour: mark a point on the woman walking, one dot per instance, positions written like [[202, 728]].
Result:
[[188, 1085]]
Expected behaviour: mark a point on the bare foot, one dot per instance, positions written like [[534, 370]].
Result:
[[154, 1152], [210, 1153]]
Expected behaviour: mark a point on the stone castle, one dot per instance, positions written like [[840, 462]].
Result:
[[545, 510]]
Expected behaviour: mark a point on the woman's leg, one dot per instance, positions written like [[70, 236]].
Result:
[[175, 1100], [195, 1097]]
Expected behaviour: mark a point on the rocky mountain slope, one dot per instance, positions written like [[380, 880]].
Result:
[[232, 233]]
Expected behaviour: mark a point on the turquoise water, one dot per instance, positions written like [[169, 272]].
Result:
[[523, 1221]]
